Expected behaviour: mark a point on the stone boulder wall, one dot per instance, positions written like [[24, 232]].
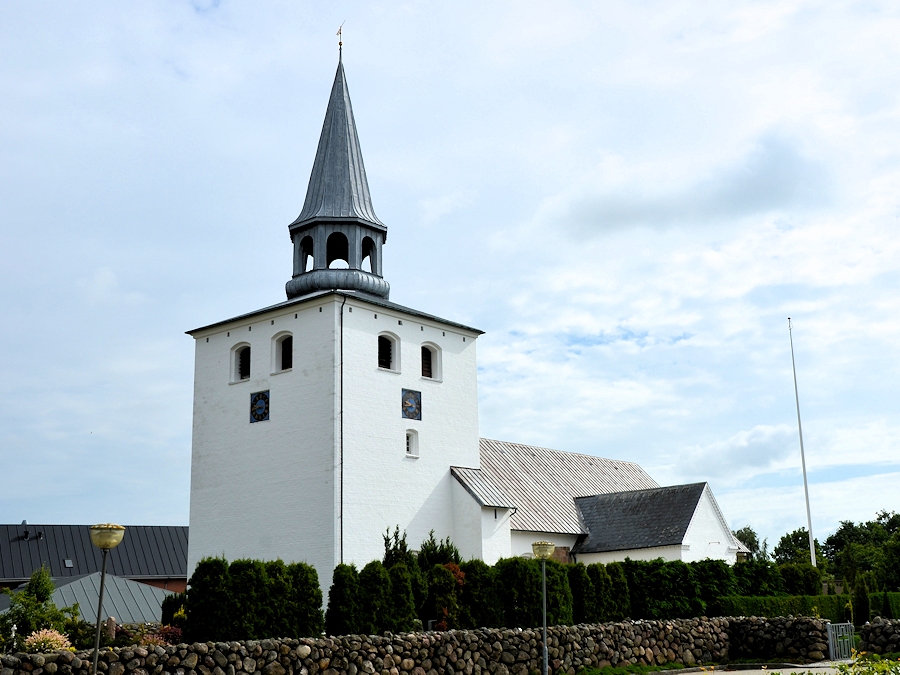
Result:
[[795, 639], [487, 651], [881, 636]]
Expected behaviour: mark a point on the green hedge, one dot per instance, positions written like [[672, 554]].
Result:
[[252, 599], [831, 607]]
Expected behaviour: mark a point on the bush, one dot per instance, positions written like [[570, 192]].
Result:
[[559, 595], [171, 605], [374, 599], [602, 583], [715, 578], [619, 606], [861, 603], [46, 640], [584, 601], [757, 577], [208, 602], [800, 578], [479, 607], [342, 615], [304, 611], [662, 589], [31, 610], [403, 617], [247, 600], [519, 591], [444, 587]]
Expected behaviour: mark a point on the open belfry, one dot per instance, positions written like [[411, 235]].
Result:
[[324, 420]]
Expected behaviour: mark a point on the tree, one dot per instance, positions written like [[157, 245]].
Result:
[[793, 547], [519, 592], [891, 563], [342, 615], [444, 586], [433, 552], [247, 582], [748, 537]]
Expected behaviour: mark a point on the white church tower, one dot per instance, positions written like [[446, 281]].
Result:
[[321, 421]]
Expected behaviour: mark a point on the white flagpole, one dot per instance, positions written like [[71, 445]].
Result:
[[812, 545]]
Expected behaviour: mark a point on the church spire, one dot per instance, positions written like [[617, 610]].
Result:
[[337, 237], [337, 186]]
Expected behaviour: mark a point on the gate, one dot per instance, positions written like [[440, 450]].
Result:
[[840, 641]]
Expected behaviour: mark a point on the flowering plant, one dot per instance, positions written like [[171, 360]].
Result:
[[46, 640]]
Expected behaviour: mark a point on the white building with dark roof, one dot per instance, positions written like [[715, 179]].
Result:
[[324, 420]]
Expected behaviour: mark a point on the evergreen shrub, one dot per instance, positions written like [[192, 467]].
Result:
[[602, 583], [519, 592], [208, 602], [444, 586], [403, 617], [479, 607], [374, 599], [304, 611], [342, 615], [800, 578], [861, 604], [584, 600], [662, 589], [619, 606], [757, 577], [715, 579]]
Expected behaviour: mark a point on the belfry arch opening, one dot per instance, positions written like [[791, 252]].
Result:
[[367, 255], [307, 260], [337, 251]]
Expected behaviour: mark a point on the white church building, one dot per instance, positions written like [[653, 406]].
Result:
[[324, 420]]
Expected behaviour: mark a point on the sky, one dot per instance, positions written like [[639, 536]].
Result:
[[630, 198]]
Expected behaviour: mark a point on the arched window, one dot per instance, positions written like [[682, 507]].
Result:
[[412, 443], [240, 363], [283, 352], [367, 255], [306, 253], [431, 361], [337, 251], [388, 352]]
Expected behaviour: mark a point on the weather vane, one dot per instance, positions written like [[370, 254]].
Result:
[[340, 38]]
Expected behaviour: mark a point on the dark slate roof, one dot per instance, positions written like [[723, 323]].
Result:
[[542, 483], [146, 552], [128, 601], [637, 519], [338, 188], [481, 488], [364, 297]]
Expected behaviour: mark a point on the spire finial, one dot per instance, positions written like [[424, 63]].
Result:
[[340, 40]]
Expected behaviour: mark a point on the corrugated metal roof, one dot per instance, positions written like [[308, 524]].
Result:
[[128, 601], [637, 519], [543, 483], [146, 552], [481, 488], [338, 187]]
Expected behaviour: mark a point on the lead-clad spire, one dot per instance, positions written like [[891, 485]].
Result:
[[337, 237], [337, 186]]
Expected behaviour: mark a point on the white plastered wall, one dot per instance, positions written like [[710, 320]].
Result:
[[467, 528], [708, 536], [495, 534], [383, 487], [664, 552], [521, 540], [266, 490]]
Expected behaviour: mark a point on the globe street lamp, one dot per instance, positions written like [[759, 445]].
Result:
[[543, 550], [104, 537]]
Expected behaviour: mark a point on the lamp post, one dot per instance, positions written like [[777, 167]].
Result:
[[543, 550], [104, 537]]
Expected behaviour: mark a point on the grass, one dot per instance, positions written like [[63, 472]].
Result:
[[630, 669]]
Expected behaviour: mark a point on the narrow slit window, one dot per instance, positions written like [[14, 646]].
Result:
[[243, 364], [426, 362], [385, 349], [287, 353], [412, 443]]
